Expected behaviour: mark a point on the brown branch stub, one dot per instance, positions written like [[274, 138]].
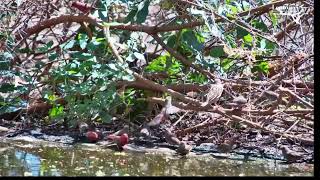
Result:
[[156, 29], [164, 89], [25, 33]]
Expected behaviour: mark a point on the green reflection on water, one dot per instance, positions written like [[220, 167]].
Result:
[[49, 161]]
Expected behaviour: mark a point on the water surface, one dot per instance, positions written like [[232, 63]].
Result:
[[73, 161]]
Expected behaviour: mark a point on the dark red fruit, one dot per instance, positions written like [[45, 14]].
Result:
[[92, 136], [119, 140], [124, 139]]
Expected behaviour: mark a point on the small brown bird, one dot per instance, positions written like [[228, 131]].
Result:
[[170, 109], [145, 131], [159, 118], [184, 148], [163, 115], [240, 101], [214, 93], [290, 155], [39, 107], [226, 146], [83, 128], [171, 138]]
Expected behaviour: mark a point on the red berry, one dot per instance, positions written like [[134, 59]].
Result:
[[92, 136]]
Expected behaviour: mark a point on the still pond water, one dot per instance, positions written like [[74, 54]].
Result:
[[73, 161]]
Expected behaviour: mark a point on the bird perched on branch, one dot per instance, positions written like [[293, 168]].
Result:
[[214, 92], [290, 155]]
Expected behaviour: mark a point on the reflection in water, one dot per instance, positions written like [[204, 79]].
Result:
[[29, 161], [48, 161]]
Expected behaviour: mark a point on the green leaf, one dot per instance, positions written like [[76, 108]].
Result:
[[263, 66], [246, 5], [166, 4], [40, 64], [103, 15], [217, 52], [139, 13], [105, 117], [4, 65], [241, 32], [197, 78], [274, 19], [158, 64], [130, 58], [56, 111], [143, 11], [270, 46], [139, 56], [6, 87], [172, 40], [68, 45], [260, 25], [96, 44], [113, 66], [53, 56], [248, 39], [190, 38], [24, 50], [82, 56], [131, 15], [6, 56], [51, 97], [83, 38], [128, 77], [45, 47], [263, 44], [226, 64], [234, 9]]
